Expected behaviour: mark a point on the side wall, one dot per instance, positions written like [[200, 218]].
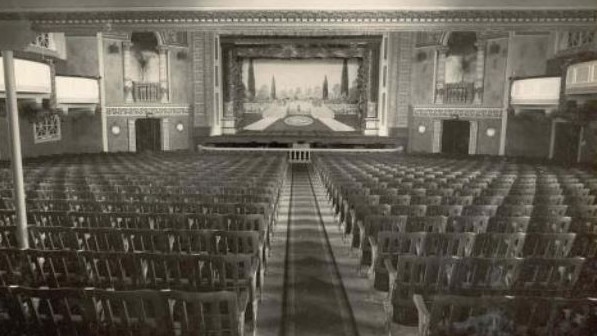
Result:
[[79, 134]]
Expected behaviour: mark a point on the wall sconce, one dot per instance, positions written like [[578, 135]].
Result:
[[490, 132], [179, 127], [115, 129], [421, 129]]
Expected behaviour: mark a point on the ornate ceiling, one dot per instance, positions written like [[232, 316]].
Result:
[[237, 15]]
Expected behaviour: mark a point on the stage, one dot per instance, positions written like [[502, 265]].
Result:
[[313, 138]]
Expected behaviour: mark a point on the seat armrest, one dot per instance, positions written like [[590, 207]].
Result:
[[392, 275], [424, 315]]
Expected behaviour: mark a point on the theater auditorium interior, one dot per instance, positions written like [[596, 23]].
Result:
[[314, 167]]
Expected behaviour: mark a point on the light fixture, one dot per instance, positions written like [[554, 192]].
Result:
[[422, 129], [490, 132], [115, 129], [179, 127]]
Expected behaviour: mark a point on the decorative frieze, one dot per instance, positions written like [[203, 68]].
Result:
[[227, 17], [458, 112], [146, 111]]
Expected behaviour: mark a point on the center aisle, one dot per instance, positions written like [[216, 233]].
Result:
[[314, 301]]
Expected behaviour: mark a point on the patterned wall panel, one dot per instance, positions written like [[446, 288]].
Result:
[[203, 44], [401, 44]]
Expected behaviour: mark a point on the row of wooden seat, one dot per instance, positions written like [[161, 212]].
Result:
[[91, 311], [505, 315], [468, 230], [477, 276], [143, 225]]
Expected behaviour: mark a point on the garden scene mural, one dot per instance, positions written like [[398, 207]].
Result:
[[300, 95]]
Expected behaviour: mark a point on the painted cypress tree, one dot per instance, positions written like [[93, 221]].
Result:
[[273, 88], [251, 80], [325, 88], [344, 82]]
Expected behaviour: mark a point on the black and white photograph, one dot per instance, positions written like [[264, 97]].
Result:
[[298, 168]]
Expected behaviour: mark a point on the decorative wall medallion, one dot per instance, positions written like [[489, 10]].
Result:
[[298, 121], [115, 129]]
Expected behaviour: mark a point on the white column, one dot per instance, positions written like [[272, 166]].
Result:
[[15, 147], [132, 136], [480, 70], [382, 104], [473, 134], [437, 136], [128, 81], [165, 134], [440, 75], [163, 53], [102, 91], [506, 95], [552, 139], [580, 144]]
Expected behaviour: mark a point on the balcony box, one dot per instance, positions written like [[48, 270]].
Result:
[[536, 94], [581, 78], [32, 79], [77, 94]]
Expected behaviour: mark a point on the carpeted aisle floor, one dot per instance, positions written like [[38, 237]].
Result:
[[314, 301]]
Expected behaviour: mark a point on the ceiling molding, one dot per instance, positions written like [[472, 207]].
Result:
[[247, 19]]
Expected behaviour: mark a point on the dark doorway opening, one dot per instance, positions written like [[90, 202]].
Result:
[[565, 149], [455, 137], [148, 134]]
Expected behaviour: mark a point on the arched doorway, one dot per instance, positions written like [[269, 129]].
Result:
[[456, 137], [148, 134]]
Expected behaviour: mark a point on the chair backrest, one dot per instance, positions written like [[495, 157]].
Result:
[[479, 210], [550, 224], [549, 276], [508, 210], [109, 269], [401, 243], [444, 210], [462, 315], [195, 314], [585, 245], [550, 210], [548, 245], [508, 224], [458, 200], [549, 199], [237, 242], [449, 244], [427, 224], [55, 268], [519, 200], [418, 210], [198, 221], [485, 276], [376, 223], [56, 311], [476, 224], [582, 211], [135, 312], [498, 245]]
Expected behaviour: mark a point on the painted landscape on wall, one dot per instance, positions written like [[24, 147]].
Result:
[[300, 95]]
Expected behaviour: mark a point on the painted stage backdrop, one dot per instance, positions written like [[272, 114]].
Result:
[[289, 95]]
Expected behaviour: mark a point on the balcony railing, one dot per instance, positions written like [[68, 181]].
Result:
[[146, 92], [459, 93]]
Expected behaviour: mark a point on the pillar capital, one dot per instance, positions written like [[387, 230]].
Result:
[[162, 49], [442, 49], [126, 45]]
